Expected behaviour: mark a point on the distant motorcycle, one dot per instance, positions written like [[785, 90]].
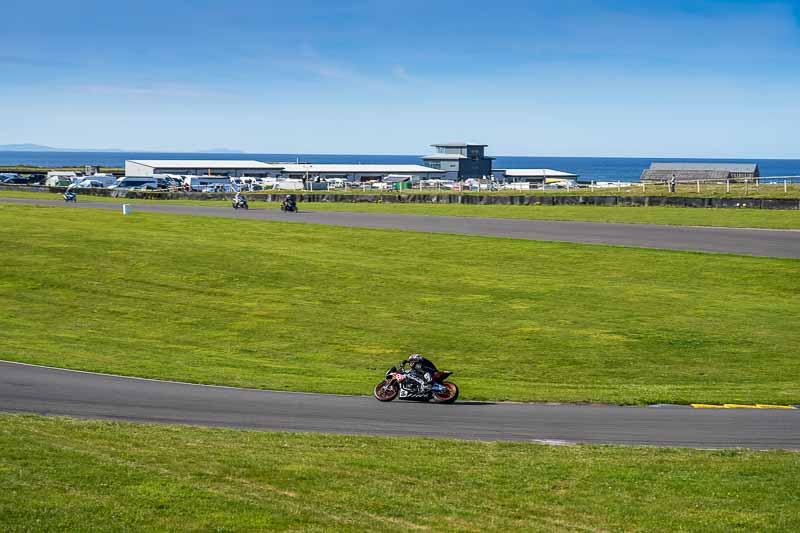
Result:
[[70, 196], [398, 384], [240, 202], [289, 204]]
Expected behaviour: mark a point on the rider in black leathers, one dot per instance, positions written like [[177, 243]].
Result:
[[421, 370]]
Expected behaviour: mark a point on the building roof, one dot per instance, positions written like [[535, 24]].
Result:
[[204, 163], [435, 157], [729, 167], [536, 173], [458, 145], [312, 168]]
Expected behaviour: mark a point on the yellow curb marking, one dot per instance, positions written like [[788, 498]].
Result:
[[740, 406]]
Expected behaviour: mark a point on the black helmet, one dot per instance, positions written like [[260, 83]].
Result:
[[415, 358]]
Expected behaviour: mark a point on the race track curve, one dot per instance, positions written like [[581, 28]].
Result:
[[757, 242], [51, 391]]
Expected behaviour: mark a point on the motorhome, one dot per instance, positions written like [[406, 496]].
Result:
[[205, 183], [289, 184], [98, 180], [59, 178]]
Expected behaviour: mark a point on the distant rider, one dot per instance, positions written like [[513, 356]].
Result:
[[421, 370]]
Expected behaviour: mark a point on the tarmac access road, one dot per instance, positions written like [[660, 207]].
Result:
[[756, 242], [51, 391]]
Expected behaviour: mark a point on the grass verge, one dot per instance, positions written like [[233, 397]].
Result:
[[675, 216], [60, 474], [317, 308]]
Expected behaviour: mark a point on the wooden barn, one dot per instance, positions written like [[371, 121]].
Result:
[[661, 172]]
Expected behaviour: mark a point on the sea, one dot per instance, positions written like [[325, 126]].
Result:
[[588, 168]]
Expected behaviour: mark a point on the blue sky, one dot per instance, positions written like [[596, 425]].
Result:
[[575, 78]]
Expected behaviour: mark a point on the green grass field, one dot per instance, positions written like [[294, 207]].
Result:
[[316, 308], [677, 216], [60, 474]]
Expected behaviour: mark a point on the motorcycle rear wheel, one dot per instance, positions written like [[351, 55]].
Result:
[[386, 390], [449, 396]]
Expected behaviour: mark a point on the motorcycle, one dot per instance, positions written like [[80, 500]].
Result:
[[398, 385], [70, 196], [289, 205], [240, 202]]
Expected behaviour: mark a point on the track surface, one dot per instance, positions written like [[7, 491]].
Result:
[[50, 391], [767, 243]]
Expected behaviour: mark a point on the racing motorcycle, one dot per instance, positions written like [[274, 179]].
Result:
[[70, 196], [240, 202], [289, 204], [398, 384]]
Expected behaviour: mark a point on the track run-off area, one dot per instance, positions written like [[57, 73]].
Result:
[[755, 242], [50, 391]]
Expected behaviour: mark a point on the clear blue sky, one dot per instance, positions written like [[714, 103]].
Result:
[[650, 78]]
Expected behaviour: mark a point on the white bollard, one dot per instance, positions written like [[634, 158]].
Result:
[[127, 209]]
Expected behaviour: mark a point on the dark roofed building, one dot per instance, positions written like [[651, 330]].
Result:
[[460, 160], [700, 171]]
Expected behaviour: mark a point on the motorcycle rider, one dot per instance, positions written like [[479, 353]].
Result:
[[421, 370], [69, 194], [290, 202]]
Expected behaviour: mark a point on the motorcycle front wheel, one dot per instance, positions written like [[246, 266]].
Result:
[[386, 391], [449, 395]]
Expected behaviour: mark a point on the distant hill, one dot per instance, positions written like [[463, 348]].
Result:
[[29, 147], [26, 147]]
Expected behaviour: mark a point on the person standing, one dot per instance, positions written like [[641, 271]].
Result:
[[673, 181]]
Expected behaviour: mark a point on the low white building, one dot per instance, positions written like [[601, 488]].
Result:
[[313, 171], [532, 175], [200, 167], [356, 173]]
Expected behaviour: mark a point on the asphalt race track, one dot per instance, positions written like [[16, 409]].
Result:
[[757, 242], [51, 391]]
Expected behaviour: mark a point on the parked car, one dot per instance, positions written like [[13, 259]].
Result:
[[86, 184], [13, 179], [136, 183]]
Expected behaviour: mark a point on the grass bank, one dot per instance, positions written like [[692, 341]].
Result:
[[64, 474], [675, 216], [316, 308]]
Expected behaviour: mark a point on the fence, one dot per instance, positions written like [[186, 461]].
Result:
[[630, 199], [745, 187]]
